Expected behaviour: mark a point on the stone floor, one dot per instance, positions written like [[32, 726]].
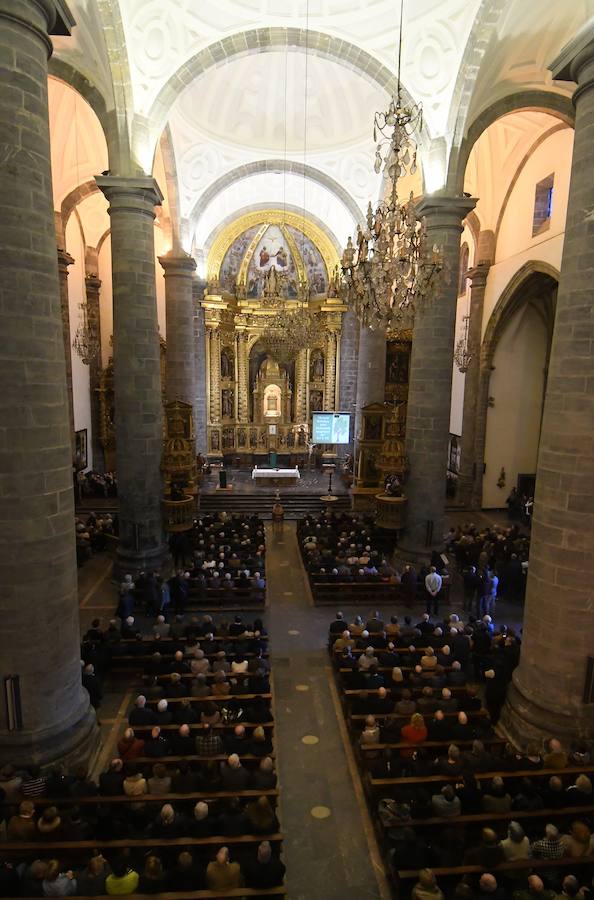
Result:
[[329, 847], [312, 481]]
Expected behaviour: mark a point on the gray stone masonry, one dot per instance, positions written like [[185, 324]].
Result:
[[469, 462], [137, 371], [39, 637], [545, 697], [200, 416], [65, 260], [182, 367], [371, 371], [349, 352], [430, 387]]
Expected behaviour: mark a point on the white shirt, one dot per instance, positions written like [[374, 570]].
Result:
[[433, 582]]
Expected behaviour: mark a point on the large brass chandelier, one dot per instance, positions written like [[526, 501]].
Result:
[[86, 340], [290, 331], [391, 268]]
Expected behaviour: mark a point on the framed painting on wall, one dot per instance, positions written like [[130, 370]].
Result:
[[80, 449]]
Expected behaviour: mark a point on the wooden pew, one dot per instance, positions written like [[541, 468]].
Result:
[[487, 818], [118, 799], [481, 776], [16, 848]]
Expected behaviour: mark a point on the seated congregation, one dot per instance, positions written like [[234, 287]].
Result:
[[458, 811], [187, 805]]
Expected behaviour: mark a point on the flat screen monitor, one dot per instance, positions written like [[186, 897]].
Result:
[[331, 428]]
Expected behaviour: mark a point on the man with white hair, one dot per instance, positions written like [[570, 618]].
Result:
[[164, 716], [264, 777], [202, 825], [367, 660], [161, 627], [233, 775], [141, 715], [266, 871]]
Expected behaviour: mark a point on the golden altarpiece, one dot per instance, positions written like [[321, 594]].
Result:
[[258, 404]]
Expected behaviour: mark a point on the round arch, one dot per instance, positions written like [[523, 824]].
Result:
[[266, 40], [533, 279], [277, 167], [558, 106], [240, 222]]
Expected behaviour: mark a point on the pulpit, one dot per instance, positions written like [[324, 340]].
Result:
[[179, 451]]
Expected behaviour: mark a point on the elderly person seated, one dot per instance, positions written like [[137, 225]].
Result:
[[413, 734], [516, 845], [426, 887]]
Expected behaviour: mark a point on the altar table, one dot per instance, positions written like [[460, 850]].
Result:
[[275, 476]]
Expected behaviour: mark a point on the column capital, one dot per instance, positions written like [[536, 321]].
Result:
[[92, 281], [478, 275], [571, 63], [64, 260], [442, 210], [140, 194], [177, 263]]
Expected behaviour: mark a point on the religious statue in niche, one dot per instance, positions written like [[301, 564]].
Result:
[[226, 363], [316, 365], [241, 437], [214, 441], [228, 439], [271, 283], [301, 436], [316, 400], [398, 367], [253, 438], [290, 439], [227, 403]]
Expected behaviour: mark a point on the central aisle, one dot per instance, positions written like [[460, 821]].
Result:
[[325, 857]]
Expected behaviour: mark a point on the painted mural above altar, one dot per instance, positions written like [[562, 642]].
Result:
[[289, 252]]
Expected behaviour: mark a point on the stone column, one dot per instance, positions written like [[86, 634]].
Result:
[[300, 387], [545, 697], [93, 288], [181, 367], [200, 413], [39, 637], [242, 376], [349, 353], [430, 386], [371, 371], [470, 463], [65, 260], [330, 371], [137, 371], [215, 376]]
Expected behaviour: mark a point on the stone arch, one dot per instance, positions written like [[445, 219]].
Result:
[[115, 138], [558, 106], [76, 196], [266, 40], [239, 213], [276, 166], [527, 283]]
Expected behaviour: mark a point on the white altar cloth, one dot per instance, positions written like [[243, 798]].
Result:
[[281, 474]]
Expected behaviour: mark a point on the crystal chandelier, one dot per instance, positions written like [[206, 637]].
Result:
[[391, 268], [86, 340], [462, 354]]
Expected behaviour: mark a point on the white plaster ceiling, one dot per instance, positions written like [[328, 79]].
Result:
[[81, 151]]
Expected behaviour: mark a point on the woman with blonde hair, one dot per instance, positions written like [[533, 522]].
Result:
[[414, 733]]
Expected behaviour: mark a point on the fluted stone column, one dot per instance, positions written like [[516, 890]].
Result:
[[242, 376], [65, 260], [349, 353], [39, 636], [470, 463], [545, 697], [93, 289], [430, 385], [182, 368], [301, 386], [330, 371], [215, 375], [200, 412], [371, 371], [137, 371]]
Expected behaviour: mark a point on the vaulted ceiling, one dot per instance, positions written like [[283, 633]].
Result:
[[273, 100]]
